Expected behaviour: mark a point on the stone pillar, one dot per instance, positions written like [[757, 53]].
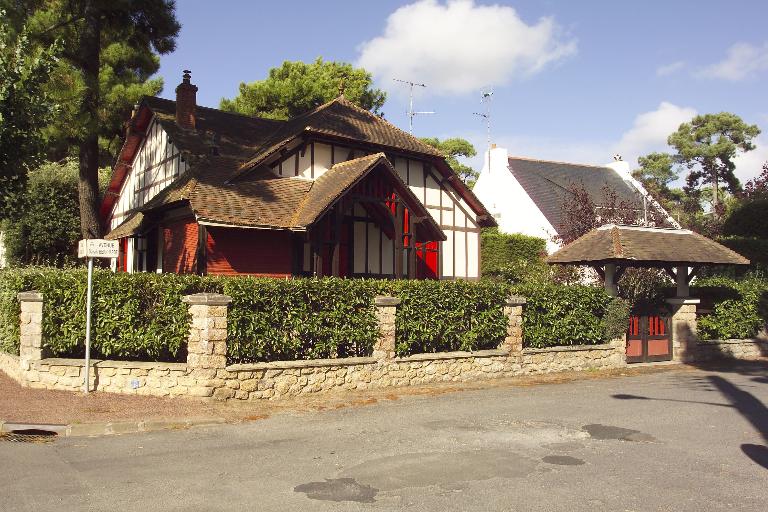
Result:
[[513, 309], [683, 328], [31, 328], [386, 310], [207, 346]]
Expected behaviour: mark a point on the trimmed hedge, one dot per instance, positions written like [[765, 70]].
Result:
[[557, 315], [142, 316], [276, 319], [444, 316], [139, 316], [500, 251], [739, 308]]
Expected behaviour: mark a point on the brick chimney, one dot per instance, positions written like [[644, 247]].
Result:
[[186, 102]]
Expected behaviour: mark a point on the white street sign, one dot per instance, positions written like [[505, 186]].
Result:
[[97, 248]]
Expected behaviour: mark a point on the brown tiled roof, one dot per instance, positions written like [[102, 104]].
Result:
[[549, 183], [233, 185], [263, 199], [641, 245]]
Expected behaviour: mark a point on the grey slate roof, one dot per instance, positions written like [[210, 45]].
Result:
[[548, 184]]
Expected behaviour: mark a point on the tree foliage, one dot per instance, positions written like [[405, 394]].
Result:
[[49, 228], [25, 110], [108, 54], [297, 87], [757, 187], [707, 146], [453, 149]]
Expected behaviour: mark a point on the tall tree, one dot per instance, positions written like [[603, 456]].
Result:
[[297, 87], [452, 149], [119, 34], [707, 146], [25, 110], [656, 171]]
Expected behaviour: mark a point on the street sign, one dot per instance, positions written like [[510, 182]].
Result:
[[93, 248], [97, 248]]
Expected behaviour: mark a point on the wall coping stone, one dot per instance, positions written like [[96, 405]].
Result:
[[303, 363], [568, 348], [515, 300], [683, 301], [381, 300], [103, 363], [30, 296], [207, 299], [436, 356]]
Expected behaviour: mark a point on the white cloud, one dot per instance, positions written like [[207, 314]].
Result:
[[669, 69], [459, 47], [650, 130], [750, 164], [742, 61]]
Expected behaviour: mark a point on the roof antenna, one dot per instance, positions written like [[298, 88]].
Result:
[[485, 99], [411, 112]]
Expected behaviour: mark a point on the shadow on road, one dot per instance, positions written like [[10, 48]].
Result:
[[750, 407]]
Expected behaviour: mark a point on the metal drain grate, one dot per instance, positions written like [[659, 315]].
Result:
[[34, 436]]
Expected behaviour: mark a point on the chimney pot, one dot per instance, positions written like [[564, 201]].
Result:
[[186, 102]]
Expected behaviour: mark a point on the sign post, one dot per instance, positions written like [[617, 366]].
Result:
[[89, 249]]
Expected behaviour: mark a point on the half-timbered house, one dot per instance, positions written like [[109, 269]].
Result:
[[337, 191]]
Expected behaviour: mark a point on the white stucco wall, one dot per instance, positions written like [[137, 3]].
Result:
[[508, 202]]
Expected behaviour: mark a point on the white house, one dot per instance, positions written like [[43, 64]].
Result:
[[526, 195]]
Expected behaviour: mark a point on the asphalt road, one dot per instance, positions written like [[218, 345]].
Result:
[[682, 440]]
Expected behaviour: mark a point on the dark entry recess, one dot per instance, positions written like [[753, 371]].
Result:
[[648, 339]]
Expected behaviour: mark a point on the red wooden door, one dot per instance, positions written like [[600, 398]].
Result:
[[648, 339]]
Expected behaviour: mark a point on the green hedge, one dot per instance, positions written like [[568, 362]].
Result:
[[501, 251], [139, 316], [142, 316], [738, 307], [444, 316], [557, 315], [276, 319]]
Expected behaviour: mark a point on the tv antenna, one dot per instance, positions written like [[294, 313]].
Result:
[[485, 99], [411, 113]]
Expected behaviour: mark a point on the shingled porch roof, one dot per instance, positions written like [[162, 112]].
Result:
[[636, 246], [266, 201]]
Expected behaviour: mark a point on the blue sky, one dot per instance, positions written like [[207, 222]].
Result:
[[574, 81]]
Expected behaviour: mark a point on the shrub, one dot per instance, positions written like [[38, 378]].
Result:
[[748, 220], [615, 319], [502, 252], [754, 249], [47, 230], [440, 316], [137, 316], [272, 319], [738, 307], [563, 315], [142, 316]]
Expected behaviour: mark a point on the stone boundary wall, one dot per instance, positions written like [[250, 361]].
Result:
[[574, 358], [749, 349], [206, 373], [9, 363]]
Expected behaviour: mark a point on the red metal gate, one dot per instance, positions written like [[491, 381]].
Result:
[[648, 339]]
